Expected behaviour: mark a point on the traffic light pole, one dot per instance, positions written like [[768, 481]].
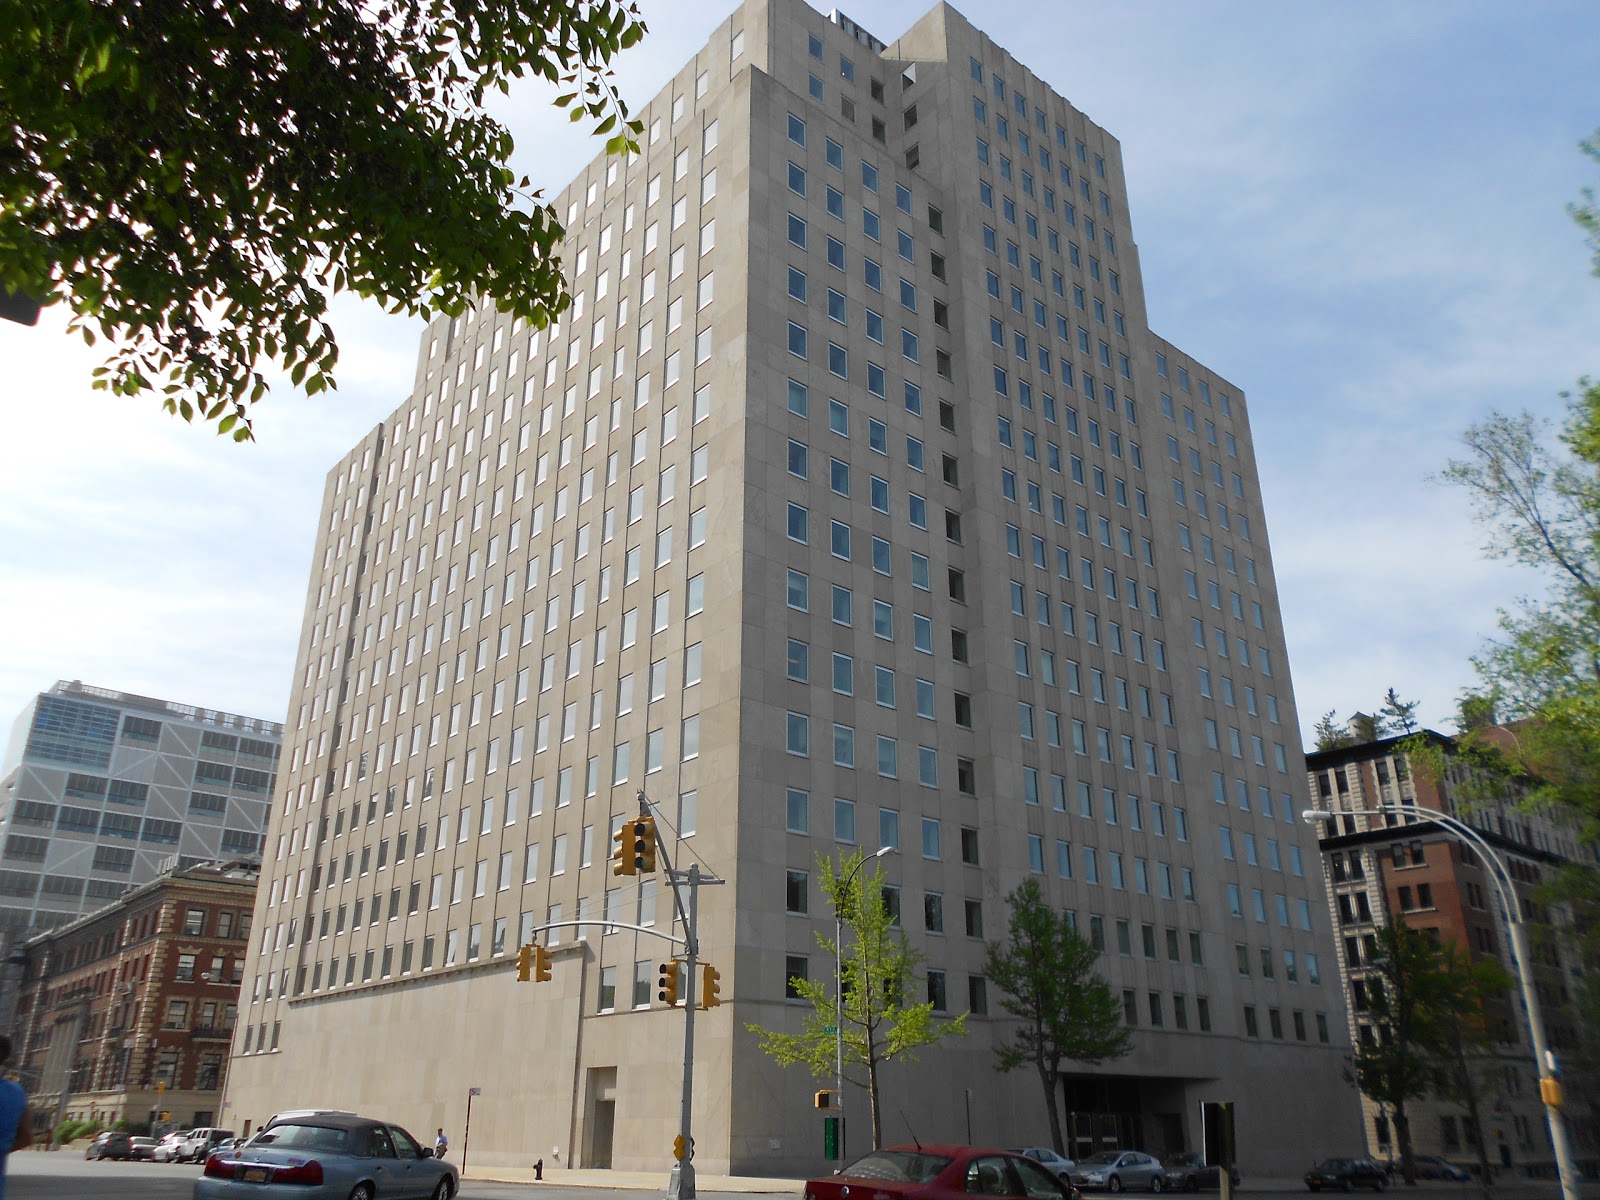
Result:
[[680, 1184]]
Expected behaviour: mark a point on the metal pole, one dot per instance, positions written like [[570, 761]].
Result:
[[1544, 1060], [838, 1021], [681, 1185], [466, 1132]]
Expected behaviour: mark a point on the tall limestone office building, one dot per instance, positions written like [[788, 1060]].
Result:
[[853, 503]]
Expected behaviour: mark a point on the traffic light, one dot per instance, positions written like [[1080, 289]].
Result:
[[541, 964], [667, 982], [525, 964], [644, 846], [622, 862], [709, 989], [827, 1098], [678, 1147]]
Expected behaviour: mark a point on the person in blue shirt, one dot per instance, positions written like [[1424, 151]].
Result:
[[16, 1128]]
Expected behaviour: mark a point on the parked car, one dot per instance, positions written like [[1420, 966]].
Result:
[[226, 1144], [110, 1144], [1049, 1159], [1431, 1166], [936, 1172], [143, 1148], [328, 1157], [167, 1148], [1120, 1171], [1189, 1172], [1346, 1174], [197, 1146]]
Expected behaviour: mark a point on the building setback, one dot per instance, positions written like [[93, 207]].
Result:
[[1387, 868], [127, 1013], [103, 790], [883, 520]]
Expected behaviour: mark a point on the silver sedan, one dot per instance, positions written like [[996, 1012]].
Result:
[[328, 1157], [1120, 1170]]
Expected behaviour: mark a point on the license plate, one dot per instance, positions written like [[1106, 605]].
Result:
[[255, 1174]]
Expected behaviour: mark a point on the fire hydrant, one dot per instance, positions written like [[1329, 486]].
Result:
[[538, 1169]]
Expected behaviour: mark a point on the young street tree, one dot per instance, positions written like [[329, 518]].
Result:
[[194, 179], [1462, 1063], [1065, 1011], [879, 972], [1413, 996]]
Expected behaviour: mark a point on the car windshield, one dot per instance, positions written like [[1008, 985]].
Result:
[[1330, 1164], [905, 1166], [1103, 1159], [304, 1137], [1183, 1160]]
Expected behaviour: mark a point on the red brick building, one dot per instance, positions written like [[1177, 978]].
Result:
[[1402, 867], [128, 1012]]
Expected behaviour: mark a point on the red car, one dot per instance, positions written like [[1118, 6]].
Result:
[[940, 1173]]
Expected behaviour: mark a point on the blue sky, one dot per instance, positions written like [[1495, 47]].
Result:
[[1354, 211]]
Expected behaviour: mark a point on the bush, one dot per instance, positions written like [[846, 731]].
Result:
[[71, 1131]]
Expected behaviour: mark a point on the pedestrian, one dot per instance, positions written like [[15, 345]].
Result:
[[16, 1126], [440, 1145]]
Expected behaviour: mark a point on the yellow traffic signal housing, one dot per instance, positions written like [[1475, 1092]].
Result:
[[644, 845], [1550, 1091], [710, 989], [541, 964], [667, 982], [678, 1147], [827, 1098], [622, 861], [525, 964]]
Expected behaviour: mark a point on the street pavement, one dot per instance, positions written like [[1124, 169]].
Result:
[[65, 1175]]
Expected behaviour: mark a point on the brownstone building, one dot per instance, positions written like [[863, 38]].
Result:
[[128, 1012], [1402, 867]]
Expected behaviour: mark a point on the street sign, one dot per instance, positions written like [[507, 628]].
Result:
[[474, 1091], [830, 1138], [830, 1029]]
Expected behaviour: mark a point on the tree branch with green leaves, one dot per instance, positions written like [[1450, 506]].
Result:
[[195, 179]]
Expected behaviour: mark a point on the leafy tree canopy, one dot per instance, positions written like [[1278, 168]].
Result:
[[195, 178], [1064, 1010]]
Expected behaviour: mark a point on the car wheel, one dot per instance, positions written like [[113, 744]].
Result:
[[442, 1192], [1191, 1184], [362, 1191], [1344, 1186], [1114, 1184], [1157, 1184], [1377, 1184]]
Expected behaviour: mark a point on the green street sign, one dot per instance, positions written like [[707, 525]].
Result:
[[830, 1029]]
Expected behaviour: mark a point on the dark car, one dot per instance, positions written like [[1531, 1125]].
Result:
[[1190, 1172], [1431, 1166], [110, 1144], [1346, 1174], [940, 1173]]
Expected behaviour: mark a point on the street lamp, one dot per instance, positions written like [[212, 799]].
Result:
[[838, 980], [1517, 936]]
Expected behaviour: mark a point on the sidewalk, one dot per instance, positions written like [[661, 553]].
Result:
[[643, 1181]]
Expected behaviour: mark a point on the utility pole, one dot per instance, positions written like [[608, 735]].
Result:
[[680, 1184]]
